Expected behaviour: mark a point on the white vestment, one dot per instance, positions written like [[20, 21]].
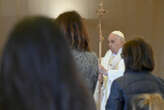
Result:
[[114, 64]]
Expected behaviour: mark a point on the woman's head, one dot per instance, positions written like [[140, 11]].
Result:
[[74, 30], [148, 102], [37, 69], [138, 55]]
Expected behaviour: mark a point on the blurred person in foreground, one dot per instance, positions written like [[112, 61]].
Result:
[[147, 102], [37, 70]]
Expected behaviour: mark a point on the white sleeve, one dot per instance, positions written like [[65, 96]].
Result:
[[114, 74], [105, 59]]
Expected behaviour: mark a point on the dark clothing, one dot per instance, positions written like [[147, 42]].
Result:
[[132, 83]]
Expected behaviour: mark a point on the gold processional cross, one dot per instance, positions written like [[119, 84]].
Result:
[[100, 13]]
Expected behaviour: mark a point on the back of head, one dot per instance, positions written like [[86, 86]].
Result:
[[37, 70], [74, 30], [138, 55], [148, 102]]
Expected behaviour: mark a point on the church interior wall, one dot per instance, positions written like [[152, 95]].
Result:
[[133, 17]]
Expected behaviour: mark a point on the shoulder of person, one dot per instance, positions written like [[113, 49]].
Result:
[[92, 54], [108, 53], [120, 79]]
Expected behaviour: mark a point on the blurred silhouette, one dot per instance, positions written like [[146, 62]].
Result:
[[148, 102], [37, 70]]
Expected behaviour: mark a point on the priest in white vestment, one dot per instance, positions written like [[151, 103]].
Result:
[[112, 66]]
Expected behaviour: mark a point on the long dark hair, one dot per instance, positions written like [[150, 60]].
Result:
[[37, 70], [74, 30]]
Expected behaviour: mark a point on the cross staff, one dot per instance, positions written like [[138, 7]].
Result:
[[100, 12]]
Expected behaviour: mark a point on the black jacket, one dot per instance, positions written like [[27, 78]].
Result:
[[132, 83]]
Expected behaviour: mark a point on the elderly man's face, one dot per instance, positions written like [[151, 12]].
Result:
[[115, 43]]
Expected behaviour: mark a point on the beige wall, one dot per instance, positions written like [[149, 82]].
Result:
[[133, 17]]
